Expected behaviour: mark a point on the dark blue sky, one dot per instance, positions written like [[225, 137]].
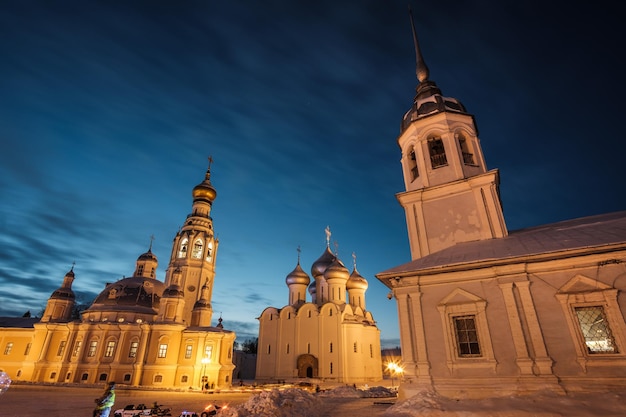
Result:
[[109, 110]]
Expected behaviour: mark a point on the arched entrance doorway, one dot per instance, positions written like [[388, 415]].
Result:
[[307, 366]]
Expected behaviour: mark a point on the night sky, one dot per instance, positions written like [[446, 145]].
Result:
[[110, 109]]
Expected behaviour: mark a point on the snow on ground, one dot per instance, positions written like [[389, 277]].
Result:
[[340, 401], [294, 402]]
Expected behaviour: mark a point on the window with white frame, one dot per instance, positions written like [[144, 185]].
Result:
[[188, 351], [92, 348], [132, 352], [162, 350], [110, 349]]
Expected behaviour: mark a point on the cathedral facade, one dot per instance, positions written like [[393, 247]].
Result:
[[330, 338], [138, 331], [487, 312]]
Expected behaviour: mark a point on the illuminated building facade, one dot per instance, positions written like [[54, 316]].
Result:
[[331, 338], [138, 331], [484, 311]]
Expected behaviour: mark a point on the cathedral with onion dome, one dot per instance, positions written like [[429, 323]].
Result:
[[330, 338], [138, 331]]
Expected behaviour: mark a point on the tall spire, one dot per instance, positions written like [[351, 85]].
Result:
[[421, 69], [425, 88]]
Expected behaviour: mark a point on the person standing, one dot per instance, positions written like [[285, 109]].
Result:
[[105, 402]]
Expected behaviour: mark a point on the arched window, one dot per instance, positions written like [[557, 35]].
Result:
[[197, 249], [182, 253], [413, 164], [437, 153], [209, 252], [468, 157]]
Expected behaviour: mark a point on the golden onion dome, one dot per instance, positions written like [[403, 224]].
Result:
[[298, 276], [312, 288], [356, 282], [319, 267], [336, 270], [204, 191]]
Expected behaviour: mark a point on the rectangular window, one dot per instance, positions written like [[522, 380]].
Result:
[[92, 349], [466, 336], [77, 347], [188, 351], [162, 350], [331, 347], [208, 352], [355, 349], [437, 153], [132, 352], [8, 348], [110, 350], [27, 350], [371, 351], [595, 329], [61, 348]]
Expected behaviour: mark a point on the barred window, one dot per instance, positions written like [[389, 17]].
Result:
[[595, 329], [437, 153]]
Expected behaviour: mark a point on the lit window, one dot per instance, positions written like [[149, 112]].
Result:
[[162, 350], [110, 349], [209, 253], [77, 347], [595, 329], [208, 351], [132, 352], [466, 336], [61, 348], [182, 253], [437, 153], [8, 347], [188, 351], [197, 249], [92, 349]]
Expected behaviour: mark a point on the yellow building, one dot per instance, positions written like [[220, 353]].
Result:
[[332, 338], [138, 331], [484, 311]]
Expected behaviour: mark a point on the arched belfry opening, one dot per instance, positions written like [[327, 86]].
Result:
[[307, 366]]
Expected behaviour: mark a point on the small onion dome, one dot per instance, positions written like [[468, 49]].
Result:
[[298, 276], [204, 191], [336, 270], [65, 291], [356, 281], [319, 267], [312, 288], [148, 256]]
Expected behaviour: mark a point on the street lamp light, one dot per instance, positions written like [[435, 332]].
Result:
[[394, 369], [203, 376]]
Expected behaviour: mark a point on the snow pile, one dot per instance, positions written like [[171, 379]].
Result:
[[349, 391], [430, 404], [275, 403], [424, 402]]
